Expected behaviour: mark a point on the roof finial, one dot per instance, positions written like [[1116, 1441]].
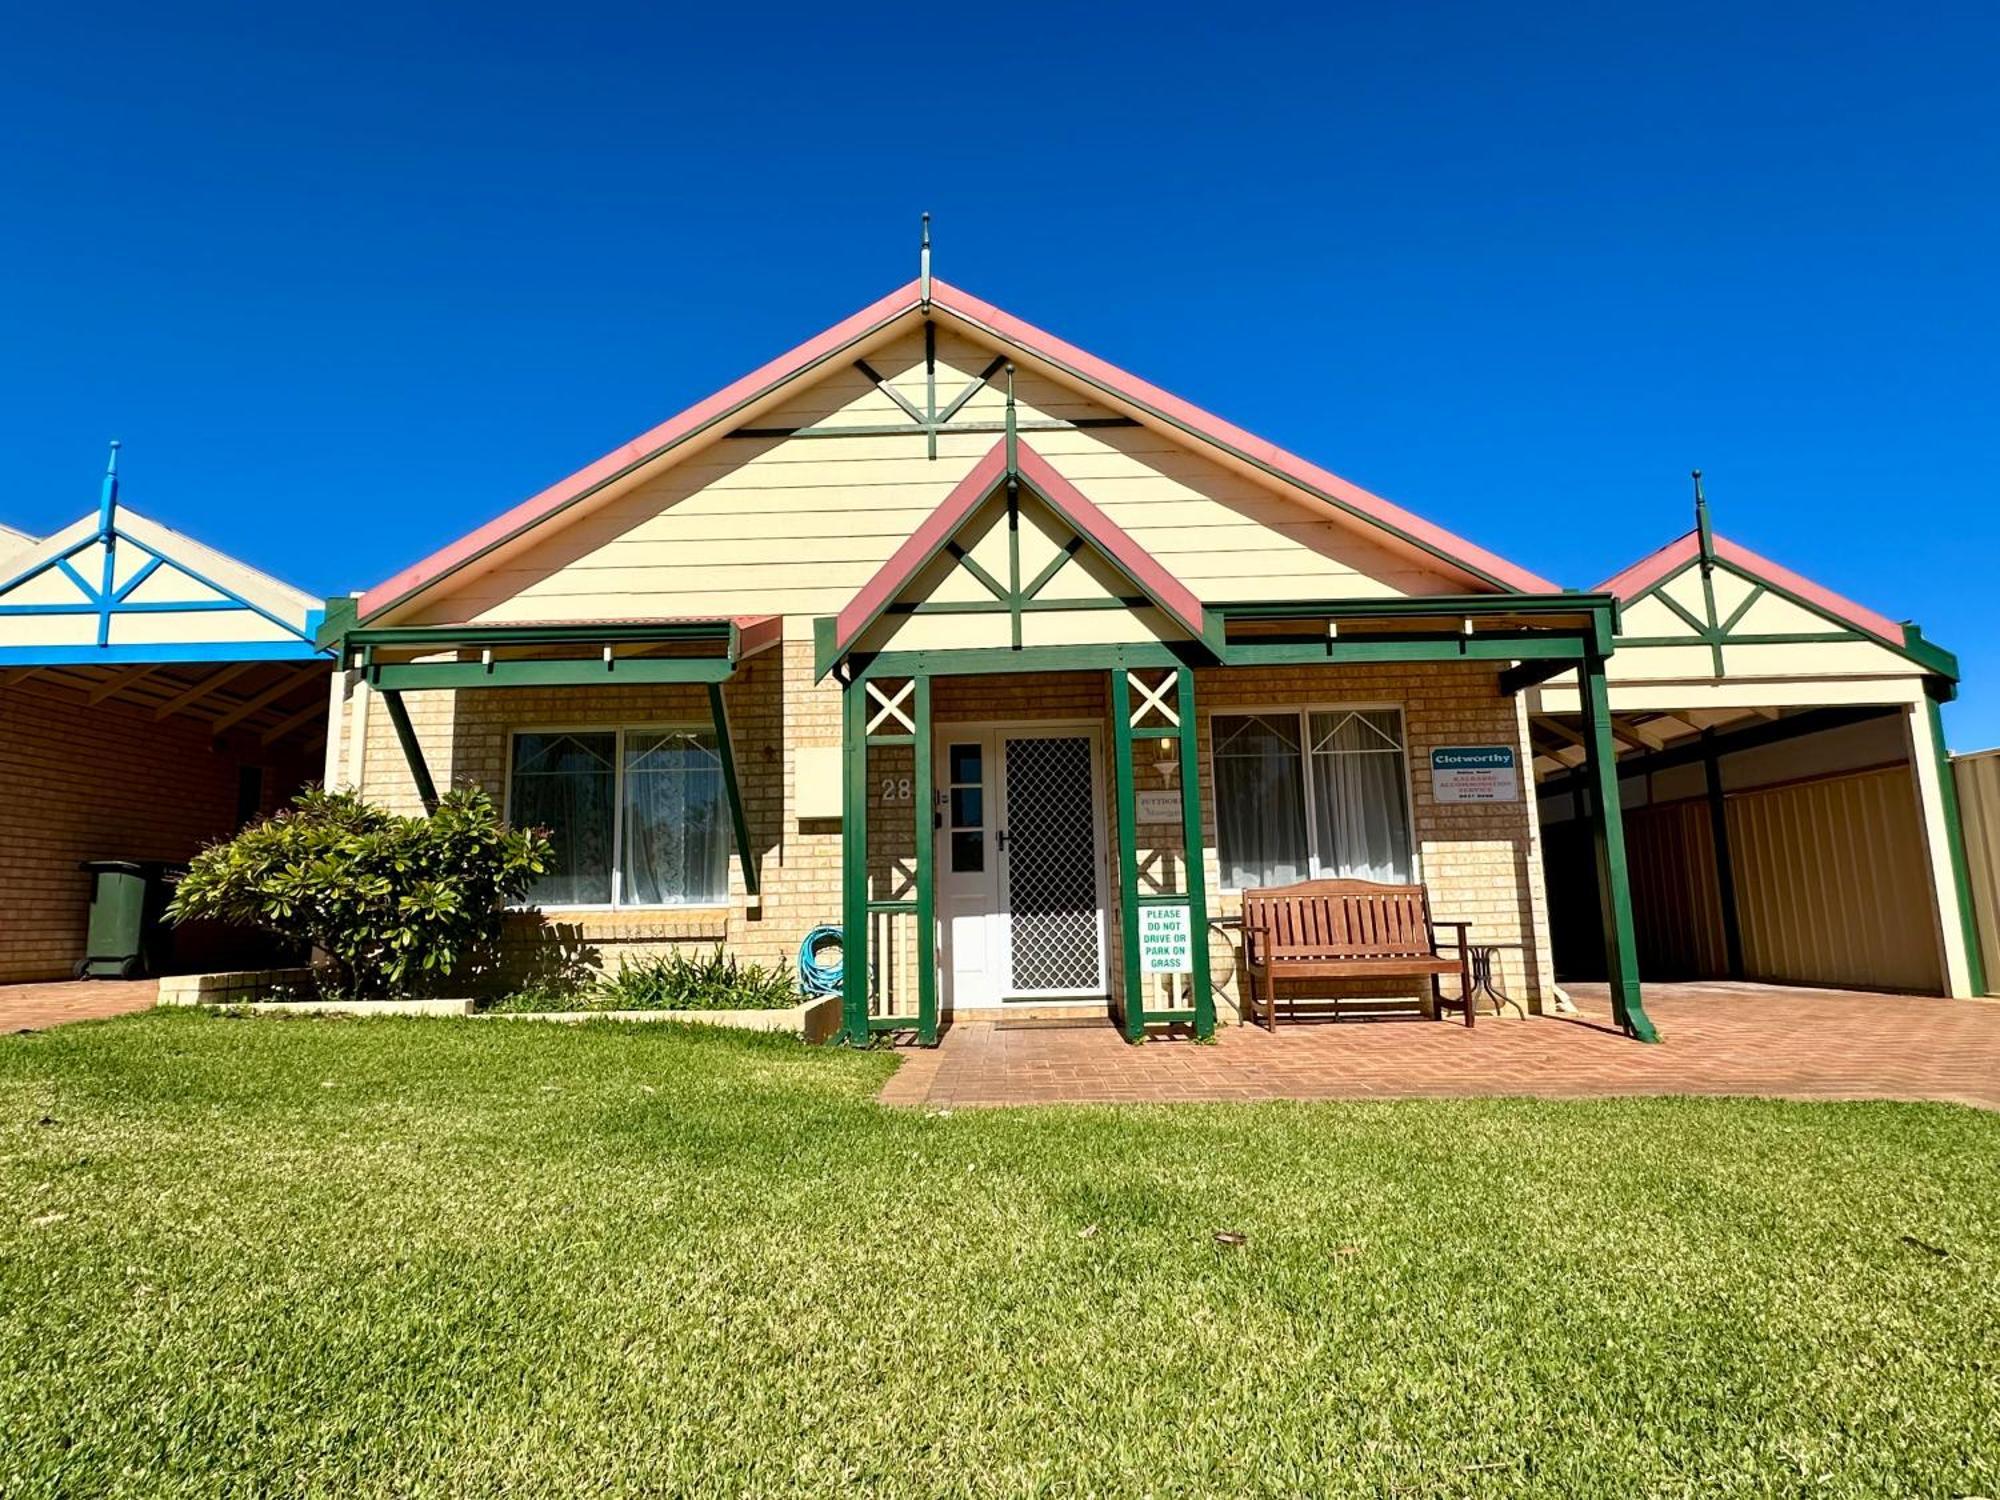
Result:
[[1013, 438], [1704, 533], [924, 267], [107, 503]]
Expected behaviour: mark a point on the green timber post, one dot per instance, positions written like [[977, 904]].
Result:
[[854, 864], [1954, 832], [739, 821], [413, 750], [1614, 890], [1132, 1016], [1725, 861], [925, 799], [1195, 854]]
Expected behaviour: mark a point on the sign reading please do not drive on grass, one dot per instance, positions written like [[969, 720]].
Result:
[[1166, 940], [1475, 773]]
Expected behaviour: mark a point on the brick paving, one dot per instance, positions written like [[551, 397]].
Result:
[[36, 1007], [1717, 1039]]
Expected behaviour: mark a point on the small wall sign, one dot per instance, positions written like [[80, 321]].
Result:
[[1475, 773], [1166, 940], [1159, 807]]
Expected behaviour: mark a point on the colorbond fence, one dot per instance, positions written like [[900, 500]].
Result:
[[1978, 778]]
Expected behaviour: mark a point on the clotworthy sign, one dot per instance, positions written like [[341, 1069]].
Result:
[[1475, 773]]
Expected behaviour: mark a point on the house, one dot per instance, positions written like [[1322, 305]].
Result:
[[1021, 670], [155, 694]]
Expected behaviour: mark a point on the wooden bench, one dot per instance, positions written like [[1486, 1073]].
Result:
[[1348, 929]]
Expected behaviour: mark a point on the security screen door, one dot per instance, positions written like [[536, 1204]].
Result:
[[1021, 896]]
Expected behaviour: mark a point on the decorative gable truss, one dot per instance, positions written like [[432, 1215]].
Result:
[[117, 588], [1015, 558], [1704, 593]]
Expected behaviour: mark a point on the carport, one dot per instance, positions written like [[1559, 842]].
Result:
[[155, 694], [1789, 810]]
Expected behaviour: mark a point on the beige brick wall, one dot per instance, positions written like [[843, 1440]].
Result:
[[1482, 861], [107, 781]]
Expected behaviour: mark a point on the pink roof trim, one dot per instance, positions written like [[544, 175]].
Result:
[[1643, 574], [1167, 591], [647, 445], [1214, 429], [1651, 568], [1114, 541], [894, 575]]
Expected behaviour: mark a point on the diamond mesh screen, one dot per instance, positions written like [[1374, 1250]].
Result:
[[1052, 865]]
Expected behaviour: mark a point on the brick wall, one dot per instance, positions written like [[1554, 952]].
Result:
[[95, 781], [1482, 861], [773, 709]]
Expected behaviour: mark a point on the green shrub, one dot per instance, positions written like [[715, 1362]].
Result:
[[396, 904], [673, 981]]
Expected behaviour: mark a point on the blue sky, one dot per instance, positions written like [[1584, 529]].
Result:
[[349, 281]]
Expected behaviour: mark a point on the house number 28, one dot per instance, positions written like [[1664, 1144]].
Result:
[[896, 789]]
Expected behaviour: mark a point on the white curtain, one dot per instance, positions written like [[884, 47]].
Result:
[[1259, 800], [564, 783], [676, 832], [1361, 821]]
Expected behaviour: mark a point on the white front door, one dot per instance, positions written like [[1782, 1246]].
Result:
[[1020, 866]]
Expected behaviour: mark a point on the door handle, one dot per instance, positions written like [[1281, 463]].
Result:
[[1000, 839]]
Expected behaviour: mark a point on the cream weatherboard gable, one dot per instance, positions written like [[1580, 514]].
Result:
[[767, 521]]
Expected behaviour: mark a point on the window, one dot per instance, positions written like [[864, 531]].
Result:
[[1301, 794], [636, 817]]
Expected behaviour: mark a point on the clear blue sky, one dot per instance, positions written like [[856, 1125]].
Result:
[[349, 281]]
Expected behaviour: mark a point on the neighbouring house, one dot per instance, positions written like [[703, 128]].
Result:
[[155, 695], [1022, 670]]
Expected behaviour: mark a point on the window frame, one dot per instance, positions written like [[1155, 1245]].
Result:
[[618, 732], [1303, 712]]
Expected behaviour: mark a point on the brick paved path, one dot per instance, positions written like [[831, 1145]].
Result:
[[1719, 1039], [35, 1007]]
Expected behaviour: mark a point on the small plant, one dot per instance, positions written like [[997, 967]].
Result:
[[678, 980], [675, 980], [396, 904]]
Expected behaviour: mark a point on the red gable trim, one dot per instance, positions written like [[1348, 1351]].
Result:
[[895, 575], [641, 450], [1139, 565], [1652, 568], [919, 548], [1821, 598], [1678, 553], [1267, 455]]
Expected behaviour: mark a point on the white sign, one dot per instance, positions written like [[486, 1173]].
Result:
[[1166, 940], [1475, 773], [1160, 807]]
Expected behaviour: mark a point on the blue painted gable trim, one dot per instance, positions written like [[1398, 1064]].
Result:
[[105, 603], [158, 655]]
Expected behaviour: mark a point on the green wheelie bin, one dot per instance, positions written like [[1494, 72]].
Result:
[[127, 935]]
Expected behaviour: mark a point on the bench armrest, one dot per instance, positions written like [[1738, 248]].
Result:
[[1463, 929]]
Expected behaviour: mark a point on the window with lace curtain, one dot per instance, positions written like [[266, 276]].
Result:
[[636, 817], [1307, 793]]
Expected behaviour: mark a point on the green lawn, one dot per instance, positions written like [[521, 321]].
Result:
[[387, 1257]]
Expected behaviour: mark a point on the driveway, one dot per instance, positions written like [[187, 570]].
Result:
[[1716, 1039], [36, 1007]]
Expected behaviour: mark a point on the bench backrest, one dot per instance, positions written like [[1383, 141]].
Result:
[[1341, 919]]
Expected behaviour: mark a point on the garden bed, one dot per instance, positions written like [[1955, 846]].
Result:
[[816, 1019]]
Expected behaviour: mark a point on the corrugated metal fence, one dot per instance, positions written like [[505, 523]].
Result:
[[1978, 778]]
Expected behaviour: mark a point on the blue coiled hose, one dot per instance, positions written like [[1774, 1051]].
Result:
[[815, 977]]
